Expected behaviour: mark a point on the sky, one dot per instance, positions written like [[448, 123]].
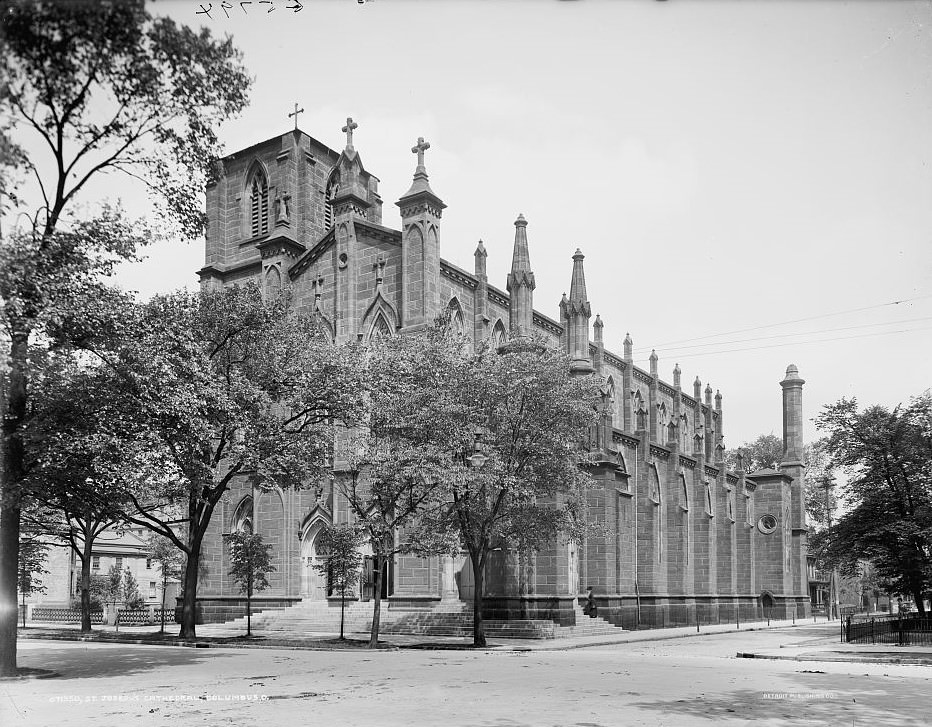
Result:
[[750, 182]]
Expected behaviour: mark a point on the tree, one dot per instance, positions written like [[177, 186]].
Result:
[[507, 427], [170, 562], [887, 458], [111, 586], [390, 482], [226, 386], [86, 89], [83, 458], [250, 563], [765, 452], [33, 553], [339, 546], [131, 596]]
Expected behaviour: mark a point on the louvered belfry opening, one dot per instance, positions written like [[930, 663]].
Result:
[[259, 205]]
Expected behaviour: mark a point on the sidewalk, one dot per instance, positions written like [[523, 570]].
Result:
[[219, 636]]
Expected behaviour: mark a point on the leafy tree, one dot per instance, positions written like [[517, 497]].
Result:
[[507, 427], [83, 458], [87, 89], [170, 562], [131, 596], [227, 386], [250, 563], [111, 586], [887, 458], [765, 452], [339, 546], [33, 553]]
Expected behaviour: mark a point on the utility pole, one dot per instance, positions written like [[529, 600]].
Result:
[[832, 580]]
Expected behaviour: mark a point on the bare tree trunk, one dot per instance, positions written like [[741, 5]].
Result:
[[478, 632], [164, 583], [249, 607], [11, 467], [86, 586], [342, 609], [376, 603], [24, 609], [189, 602]]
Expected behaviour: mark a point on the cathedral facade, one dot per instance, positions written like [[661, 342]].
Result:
[[685, 539]]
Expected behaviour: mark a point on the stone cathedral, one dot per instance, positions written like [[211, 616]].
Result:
[[688, 539]]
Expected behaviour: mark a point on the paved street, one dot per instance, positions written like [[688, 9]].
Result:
[[671, 682]]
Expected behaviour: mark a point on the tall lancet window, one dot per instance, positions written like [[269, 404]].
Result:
[[332, 186], [258, 203]]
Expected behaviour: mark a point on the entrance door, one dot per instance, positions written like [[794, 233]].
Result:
[[467, 580], [313, 582]]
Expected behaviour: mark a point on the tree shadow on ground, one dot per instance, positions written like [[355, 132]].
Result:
[[112, 661], [814, 699]]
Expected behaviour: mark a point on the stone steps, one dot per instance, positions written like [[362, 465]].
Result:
[[453, 619]]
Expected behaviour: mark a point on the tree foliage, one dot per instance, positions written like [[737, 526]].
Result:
[[886, 455], [170, 562], [87, 89], [250, 564], [84, 456], [226, 386], [104, 87], [506, 428], [33, 553], [339, 547]]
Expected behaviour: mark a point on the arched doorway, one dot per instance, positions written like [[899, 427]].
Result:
[[766, 604], [313, 582]]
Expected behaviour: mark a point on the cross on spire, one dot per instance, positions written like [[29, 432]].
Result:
[[419, 149], [348, 130], [295, 114]]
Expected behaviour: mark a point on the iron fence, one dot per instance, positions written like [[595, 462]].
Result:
[[902, 630], [64, 615]]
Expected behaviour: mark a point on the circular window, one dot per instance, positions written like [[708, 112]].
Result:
[[767, 524], [343, 260]]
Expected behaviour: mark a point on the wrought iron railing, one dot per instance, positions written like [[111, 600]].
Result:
[[64, 615], [898, 629]]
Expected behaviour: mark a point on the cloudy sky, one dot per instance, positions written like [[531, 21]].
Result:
[[751, 183]]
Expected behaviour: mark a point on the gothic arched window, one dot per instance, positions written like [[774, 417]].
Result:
[[258, 187], [499, 337], [273, 283], [242, 518]]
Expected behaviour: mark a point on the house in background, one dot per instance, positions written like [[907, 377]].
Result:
[[127, 549]]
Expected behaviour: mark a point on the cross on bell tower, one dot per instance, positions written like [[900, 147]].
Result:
[[419, 149], [348, 130], [295, 114]]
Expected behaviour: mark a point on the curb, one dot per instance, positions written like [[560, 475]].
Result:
[[855, 659], [181, 643]]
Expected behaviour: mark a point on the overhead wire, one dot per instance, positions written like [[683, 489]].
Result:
[[800, 343], [800, 333], [789, 322]]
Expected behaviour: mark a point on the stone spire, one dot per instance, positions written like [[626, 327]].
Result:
[[653, 363], [421, 210], [708, 394], [420, 185], [480, 254], [575, 313], [629, 348], [578, 281], [697, 390], [677, 376], [521, 284]]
